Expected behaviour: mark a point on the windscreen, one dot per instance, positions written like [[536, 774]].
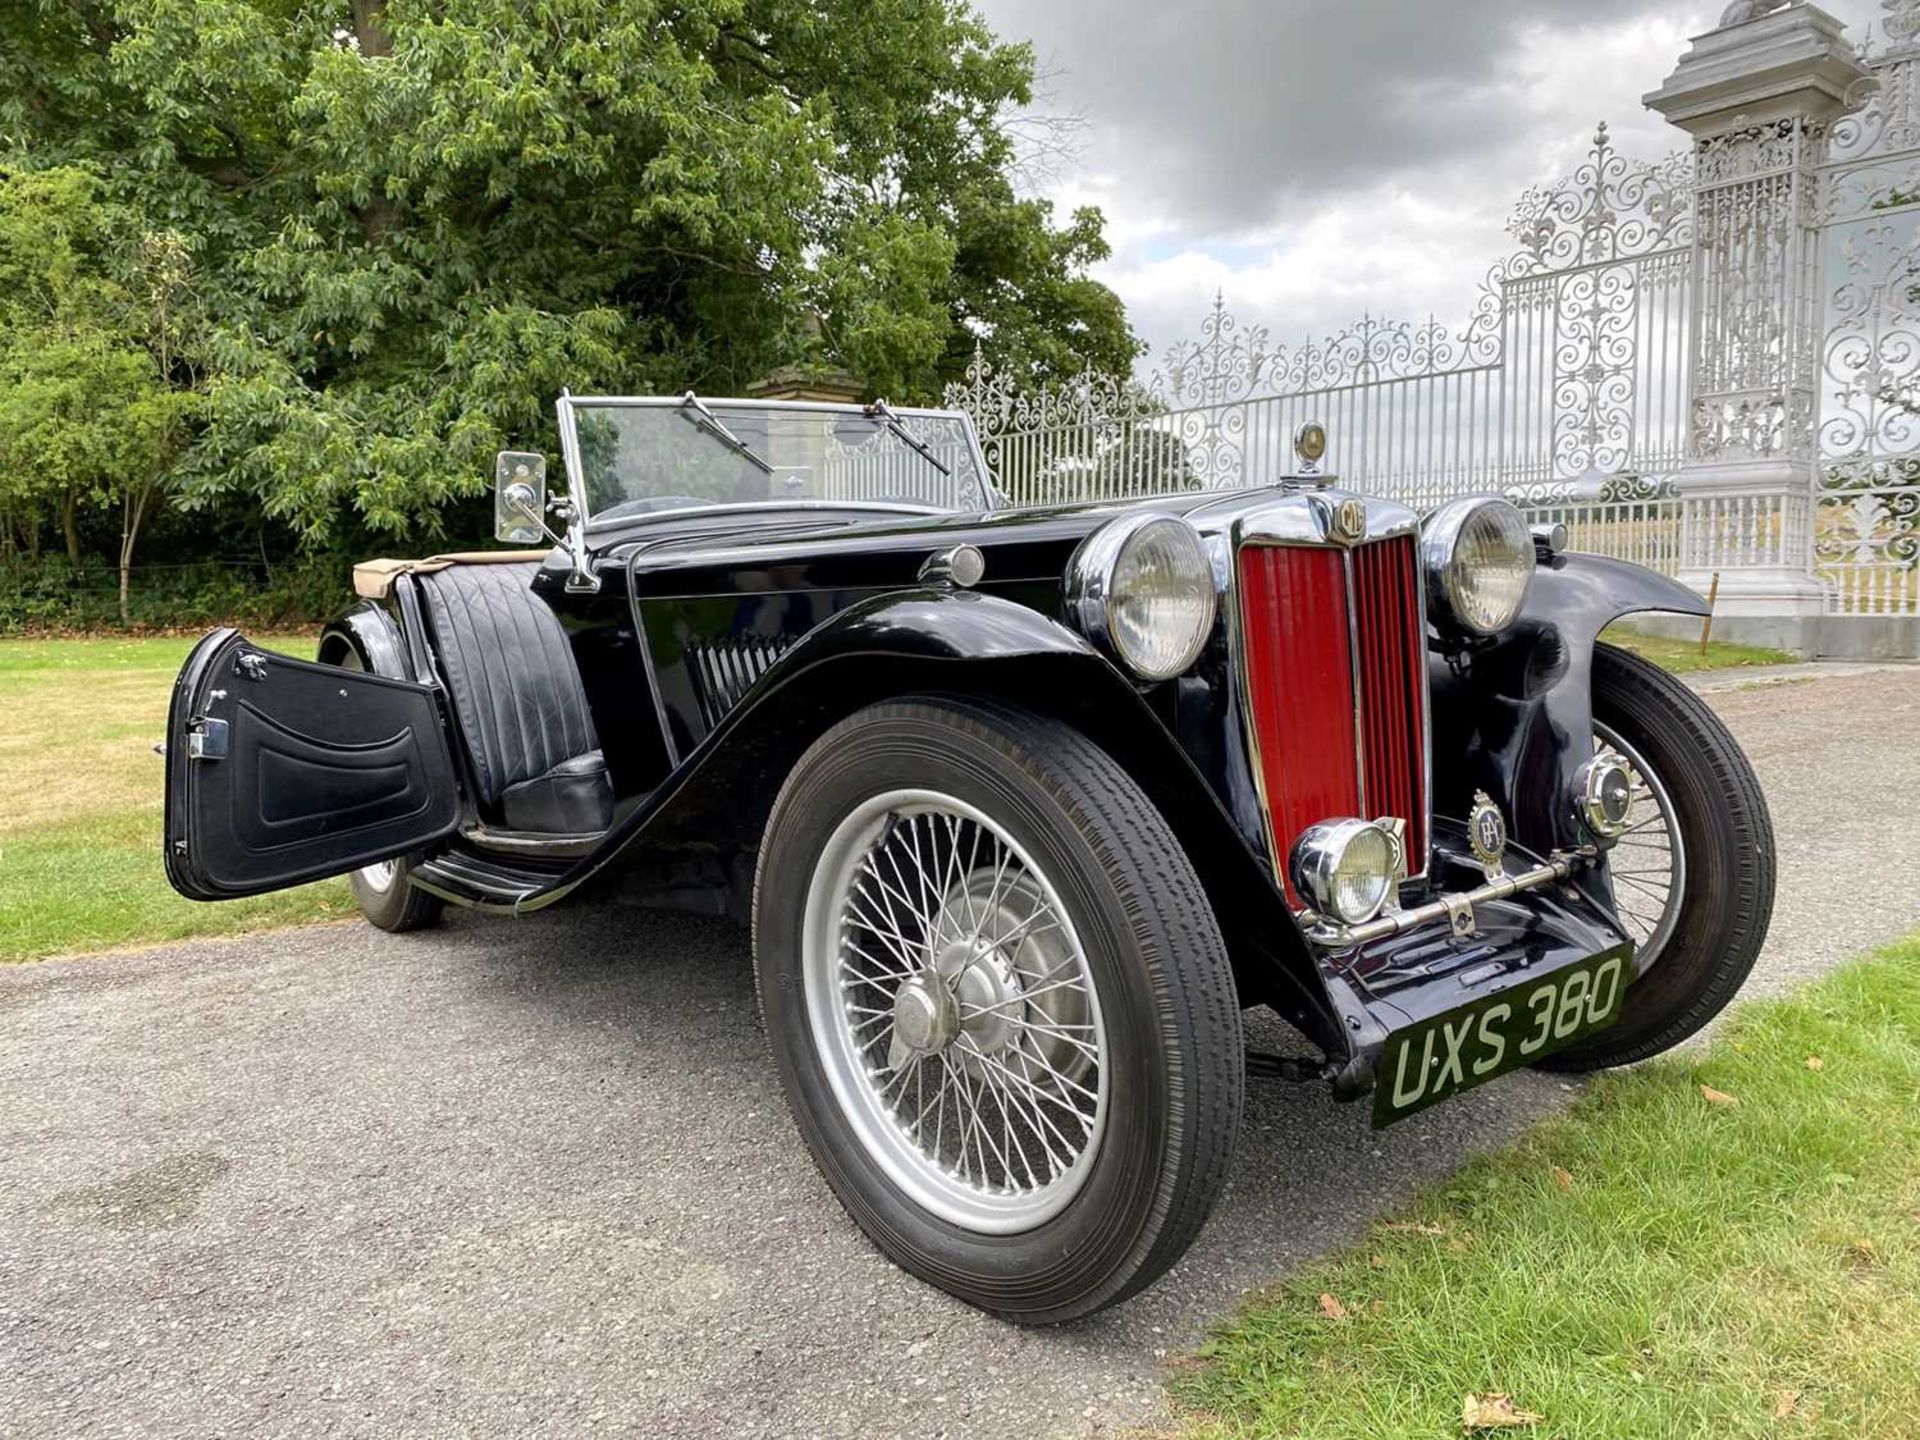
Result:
[[643, 459]]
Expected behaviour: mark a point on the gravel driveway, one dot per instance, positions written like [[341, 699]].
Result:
[[536, 1178]]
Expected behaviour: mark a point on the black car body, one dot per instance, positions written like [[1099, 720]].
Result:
[[624, 711]]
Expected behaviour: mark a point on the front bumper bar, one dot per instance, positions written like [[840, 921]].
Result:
[[1456, 946], [1456, 909]]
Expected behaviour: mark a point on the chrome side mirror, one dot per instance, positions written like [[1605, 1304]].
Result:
[[519, 497]]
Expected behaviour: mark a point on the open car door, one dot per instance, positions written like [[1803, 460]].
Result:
[[281, 771]]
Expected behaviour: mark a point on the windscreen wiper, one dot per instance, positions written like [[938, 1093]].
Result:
[[704, 419], [880, 410]]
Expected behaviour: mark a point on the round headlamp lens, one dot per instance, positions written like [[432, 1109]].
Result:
[[1160, 599], [1345, 870], [1480, 558]]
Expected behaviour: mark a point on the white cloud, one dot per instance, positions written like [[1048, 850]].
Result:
[[1317, 160]]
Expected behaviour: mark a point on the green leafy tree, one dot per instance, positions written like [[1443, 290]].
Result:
[[411, 222], [97, 333]]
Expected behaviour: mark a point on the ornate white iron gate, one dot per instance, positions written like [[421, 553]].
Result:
[[1706, 365], [1567, 386], [1867, 522]]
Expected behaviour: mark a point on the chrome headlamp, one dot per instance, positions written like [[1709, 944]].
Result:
[[1142, 589], [1345, 869], [1479, 558]]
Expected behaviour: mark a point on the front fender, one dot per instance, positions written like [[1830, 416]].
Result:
[[964, 643], [1517, 715]]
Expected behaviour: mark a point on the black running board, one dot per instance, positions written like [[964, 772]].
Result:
[[485, 882]]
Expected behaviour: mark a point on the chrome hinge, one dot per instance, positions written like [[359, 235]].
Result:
[[207, 740]]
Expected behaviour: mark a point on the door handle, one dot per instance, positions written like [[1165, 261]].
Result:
[[207, 740]]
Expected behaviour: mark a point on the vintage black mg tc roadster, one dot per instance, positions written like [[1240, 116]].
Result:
[[1024, 807]]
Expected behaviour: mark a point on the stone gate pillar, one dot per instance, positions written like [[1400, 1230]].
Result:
[[1757, 96]]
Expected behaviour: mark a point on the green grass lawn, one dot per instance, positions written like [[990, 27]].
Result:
[[1718, 1245], [80, 791], [1683, 656]]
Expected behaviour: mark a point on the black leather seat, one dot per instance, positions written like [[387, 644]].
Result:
[[518, 697]]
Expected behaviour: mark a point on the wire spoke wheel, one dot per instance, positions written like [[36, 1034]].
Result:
[[1002, 1010], [955, 1012], [1693, 875], [1649, 862]]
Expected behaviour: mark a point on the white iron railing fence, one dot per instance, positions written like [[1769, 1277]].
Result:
[[1756, 301], [1866, 532], [1570, 378]]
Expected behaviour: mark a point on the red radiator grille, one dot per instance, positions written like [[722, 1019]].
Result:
[[1393, 688], [1312, 732]]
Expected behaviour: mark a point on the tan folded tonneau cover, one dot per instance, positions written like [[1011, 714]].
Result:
[[373, 579]]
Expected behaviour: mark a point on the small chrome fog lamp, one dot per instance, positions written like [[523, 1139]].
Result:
[[1605, 796], [1344, 869]]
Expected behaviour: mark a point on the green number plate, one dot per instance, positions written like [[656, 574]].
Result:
[[1438, 1058]]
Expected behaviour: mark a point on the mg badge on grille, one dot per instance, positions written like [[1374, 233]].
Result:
[[1350, 521], [1487, 833]]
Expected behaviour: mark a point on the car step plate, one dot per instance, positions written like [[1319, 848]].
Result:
[[1520, 1025]]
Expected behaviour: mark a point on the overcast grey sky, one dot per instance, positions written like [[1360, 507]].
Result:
[[1321, 159]]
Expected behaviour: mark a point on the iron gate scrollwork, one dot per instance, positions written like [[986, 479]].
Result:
[[1570, 364], [1867, 520], [1754, 301]]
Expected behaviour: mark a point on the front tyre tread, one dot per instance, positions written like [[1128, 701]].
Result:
[[1728, 902], [1142, 916]]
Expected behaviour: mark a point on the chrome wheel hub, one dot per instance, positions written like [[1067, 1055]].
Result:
[[954, 1013], [926, 1018], [1648, 860], [987, 988], [379, 876]]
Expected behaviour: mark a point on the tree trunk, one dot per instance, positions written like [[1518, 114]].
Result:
[[370, 33], [131, 512], [370, 27], [70, 526]]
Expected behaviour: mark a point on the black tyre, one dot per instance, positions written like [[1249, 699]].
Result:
[[381, 891], [1693, 877], [999, 1003], [387, 900]]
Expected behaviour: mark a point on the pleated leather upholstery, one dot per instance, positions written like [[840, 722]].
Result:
[[510, 669]]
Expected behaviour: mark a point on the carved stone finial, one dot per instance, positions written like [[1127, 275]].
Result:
[[1903, 21], [1742, 11]]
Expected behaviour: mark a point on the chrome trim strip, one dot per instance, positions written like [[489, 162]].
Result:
[[1237, 658], [646, 653], [1426, 711], [1355, 679], [1307, 519], [584, 579]]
